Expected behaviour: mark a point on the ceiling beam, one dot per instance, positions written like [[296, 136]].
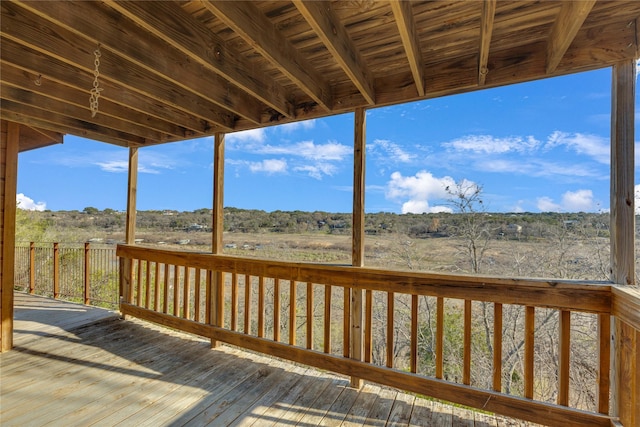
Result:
[[406, 27], [334, 36], [127, 40], [39, 70], [245, 19], [36, 117], [169, 22], [486, 31], [571, 17]]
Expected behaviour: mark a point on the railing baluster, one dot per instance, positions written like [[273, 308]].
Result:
[[32, 268], [156, 288], [186, 293], [56, 271], [390, 328], [234, 301], [197, 288], [604, 362], [292, 311], [346, 322], [368, 325], [564, 350], [260, 306], [327, 318], [497, 347], [247, 304], [414, 333], [139, 287], [529, 332], [176, 290], [165, 294], [276, 310], [466, 358], [310, 318], [147, 298], [439, 337], [87, 275]]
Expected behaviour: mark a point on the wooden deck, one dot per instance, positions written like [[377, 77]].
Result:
[[78, 366]]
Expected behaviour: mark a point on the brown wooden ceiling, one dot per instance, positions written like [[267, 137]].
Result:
[[175, 70]]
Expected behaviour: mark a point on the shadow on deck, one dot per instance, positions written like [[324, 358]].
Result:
[[78, 365]]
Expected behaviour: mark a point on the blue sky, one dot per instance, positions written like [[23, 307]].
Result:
[[535, 147]]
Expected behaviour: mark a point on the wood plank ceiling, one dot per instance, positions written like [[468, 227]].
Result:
[[175, 70]]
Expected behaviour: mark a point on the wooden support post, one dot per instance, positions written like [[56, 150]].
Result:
[[132, 189], [87, 274], [9, 144], [625, 394], [217, 286], [357, 246]]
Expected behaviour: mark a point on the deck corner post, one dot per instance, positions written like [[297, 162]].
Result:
[[132, 189], [624, 346]]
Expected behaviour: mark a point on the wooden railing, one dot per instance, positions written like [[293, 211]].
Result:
[[310, 314], [83, 273]]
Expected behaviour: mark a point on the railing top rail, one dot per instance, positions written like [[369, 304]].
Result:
[[585, 296]]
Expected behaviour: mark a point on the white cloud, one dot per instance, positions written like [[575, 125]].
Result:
[[593, 146], [28, 204], [116, 166], [317, 171], [269, 166], [251, 135], [295, 126], [419, 190], [487, 144], [572, 201], [332, 150], [391, 151]]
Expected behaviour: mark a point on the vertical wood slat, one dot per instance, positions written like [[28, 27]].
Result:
[[529, 332], [439, 337], [310, 318], [466, 359], [208, 298], [604, 362], [147, 280], [156, 288], [390, 328], [165, 293], [130, 287], [234, 302], [564, 350], [247, 304], [260, 306], [87, 274], [497, 347], [276, 310], [219, 305], [139, 301], [176, 290], [346, 322], [327, 319], [32, 268], [56, 270], [186, 293], [414, 333], [368, 325], [197, 289], [292, 311]]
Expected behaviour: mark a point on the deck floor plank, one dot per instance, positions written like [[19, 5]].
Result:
[[90, 367]]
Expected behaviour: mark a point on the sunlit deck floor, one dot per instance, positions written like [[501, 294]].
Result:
[[78, 366]]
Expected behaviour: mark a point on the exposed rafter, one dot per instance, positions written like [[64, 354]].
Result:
[[336, 39], [406, 27], [486, 31], [181, 31], [565, 28], [256, 29]]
